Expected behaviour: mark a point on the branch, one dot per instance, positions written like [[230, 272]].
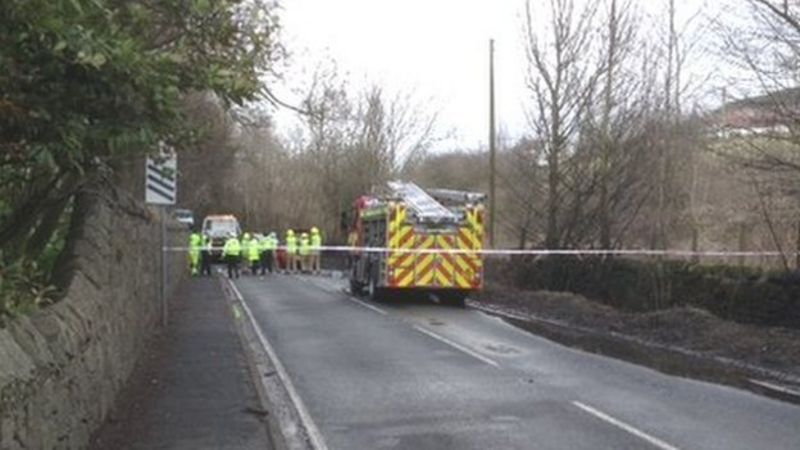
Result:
[[783, 14]]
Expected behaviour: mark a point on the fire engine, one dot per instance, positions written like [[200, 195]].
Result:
[[390, 225]]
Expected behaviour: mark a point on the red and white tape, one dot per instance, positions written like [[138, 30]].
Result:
[[534, 252]]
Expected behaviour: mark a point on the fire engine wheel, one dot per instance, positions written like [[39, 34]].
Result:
[[356, 288]]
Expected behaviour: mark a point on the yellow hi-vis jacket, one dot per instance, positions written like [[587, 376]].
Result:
[[195, 241], [316, 241], [268, 243], [305, 249], [253, 253], [232, 247], [291, 244]]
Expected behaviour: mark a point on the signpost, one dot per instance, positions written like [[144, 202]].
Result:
[[161, 188], [161, 181]]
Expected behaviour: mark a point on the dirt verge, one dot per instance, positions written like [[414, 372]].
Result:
[[681, 341]]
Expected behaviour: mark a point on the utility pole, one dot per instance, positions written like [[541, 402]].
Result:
[[492, 147]]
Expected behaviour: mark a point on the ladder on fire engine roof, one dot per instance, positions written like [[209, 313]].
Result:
[[425, 207], [457, 196]]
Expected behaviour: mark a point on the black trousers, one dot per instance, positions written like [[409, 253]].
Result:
[[233, 266], [266, 261], [205, 263]]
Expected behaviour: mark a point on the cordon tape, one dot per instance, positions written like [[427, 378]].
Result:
[[531, 252]]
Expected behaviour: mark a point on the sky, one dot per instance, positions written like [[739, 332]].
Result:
[[435, 49]]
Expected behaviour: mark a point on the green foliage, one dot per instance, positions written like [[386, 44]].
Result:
[[737, 293], [23, 289], [86, 78], [87, 85]]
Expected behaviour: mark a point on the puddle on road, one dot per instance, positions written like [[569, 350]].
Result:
[[435, 322]]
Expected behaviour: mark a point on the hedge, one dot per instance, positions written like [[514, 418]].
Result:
[[741, 294]]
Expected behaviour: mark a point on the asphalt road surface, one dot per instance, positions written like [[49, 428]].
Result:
[[418, 375]]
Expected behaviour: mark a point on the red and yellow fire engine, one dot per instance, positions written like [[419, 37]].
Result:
[[409, 238]]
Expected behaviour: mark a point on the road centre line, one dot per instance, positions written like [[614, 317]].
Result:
[[349, 297], [429, 333], [457, 346], [314, 435], [367, 305], [625, 427]]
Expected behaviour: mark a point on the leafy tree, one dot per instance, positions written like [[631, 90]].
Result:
[[88, 85]]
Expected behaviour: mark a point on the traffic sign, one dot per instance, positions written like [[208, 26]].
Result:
[[161, 179]]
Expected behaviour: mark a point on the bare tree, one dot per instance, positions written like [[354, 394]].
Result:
[[561, 78], [522, 173], [210, 161], [346, 142], [765, 47], [619, 42]]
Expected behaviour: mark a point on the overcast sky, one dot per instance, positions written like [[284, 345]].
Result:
[[438, 49]]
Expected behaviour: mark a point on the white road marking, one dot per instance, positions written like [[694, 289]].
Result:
[[314, 435], [425, 331], [774, 387], [457, 346], [350, 297], [624, 426], [367, 305]]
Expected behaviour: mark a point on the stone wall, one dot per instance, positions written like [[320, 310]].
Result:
[[61, 367]]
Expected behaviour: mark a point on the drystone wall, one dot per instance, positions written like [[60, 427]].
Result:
[[61, 367]]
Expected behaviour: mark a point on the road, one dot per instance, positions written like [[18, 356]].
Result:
[[418, 375]]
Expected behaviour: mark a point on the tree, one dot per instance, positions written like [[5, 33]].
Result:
[[88, 85], [209, 164], [561, 78], [521, 175], [349, 142], [619, 40], [764, 48]]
